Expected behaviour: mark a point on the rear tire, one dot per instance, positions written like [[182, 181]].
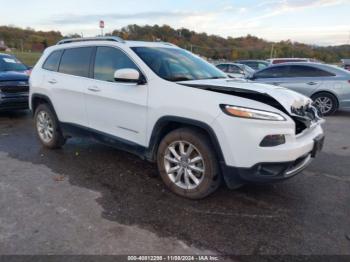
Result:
[[326, 103], [187, 163], [47, 127]]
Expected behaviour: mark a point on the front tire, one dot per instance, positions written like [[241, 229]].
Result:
[[326, 103], [47, 127], [187, 164]]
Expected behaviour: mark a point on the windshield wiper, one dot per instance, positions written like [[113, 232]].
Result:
[[215, 77], [180, 78]]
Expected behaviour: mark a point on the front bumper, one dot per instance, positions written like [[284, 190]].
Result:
[[270, 172], [14, 102], [246, 161]]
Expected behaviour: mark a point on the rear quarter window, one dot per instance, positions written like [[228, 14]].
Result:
[[307, 71], [53, 61]]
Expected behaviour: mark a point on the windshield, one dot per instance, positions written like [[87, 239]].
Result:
[[11, 63], [175, 64]]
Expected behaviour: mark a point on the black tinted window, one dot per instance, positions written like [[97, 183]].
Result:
[[53, 61], [222, 67], [76, 61], [307, 71], [253, 65], [272, 72], [234, 69], [108, 60]]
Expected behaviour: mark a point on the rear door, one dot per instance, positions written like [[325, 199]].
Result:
[[299, 78], [67, 86], [305, 79], [116, 108]]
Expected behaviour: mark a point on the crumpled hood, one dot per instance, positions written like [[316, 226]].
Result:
[[14, 76], [287, 98]]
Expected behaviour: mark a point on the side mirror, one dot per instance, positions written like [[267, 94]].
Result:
[[128, 75]]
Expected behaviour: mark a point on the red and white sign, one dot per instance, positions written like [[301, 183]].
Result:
[[102, 24]]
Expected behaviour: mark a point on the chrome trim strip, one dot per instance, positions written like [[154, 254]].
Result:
[[301, 166]]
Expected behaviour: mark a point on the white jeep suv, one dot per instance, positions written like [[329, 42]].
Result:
[[169, 106]]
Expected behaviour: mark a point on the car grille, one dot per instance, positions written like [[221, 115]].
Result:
[[14, 87], [304, 117]]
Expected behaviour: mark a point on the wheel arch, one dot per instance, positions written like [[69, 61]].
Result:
[[37, 99], [167, 124], [327, 92]]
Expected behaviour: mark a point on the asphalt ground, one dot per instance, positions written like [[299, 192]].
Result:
[[88, 198]]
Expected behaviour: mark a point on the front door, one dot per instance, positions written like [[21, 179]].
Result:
[[116, 108]]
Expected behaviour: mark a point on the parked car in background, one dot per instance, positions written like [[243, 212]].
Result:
[[169, 106], [254, 64], [275, 61], [235, 70], [346, 64], [327, 85], [14, 87]]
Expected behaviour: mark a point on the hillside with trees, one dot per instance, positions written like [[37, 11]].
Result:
[[210, 46], [28, 39], [216, 47]]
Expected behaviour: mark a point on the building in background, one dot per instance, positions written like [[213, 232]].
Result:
[[346, 63], [3, 47]]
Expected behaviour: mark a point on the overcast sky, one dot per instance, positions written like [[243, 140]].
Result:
[[321, 22]]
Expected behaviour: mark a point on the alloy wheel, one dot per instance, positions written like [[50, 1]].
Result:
[[45, 127], [324, 104], [184, 164]]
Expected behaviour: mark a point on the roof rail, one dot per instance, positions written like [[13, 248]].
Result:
[[167, 43], [85, 39]]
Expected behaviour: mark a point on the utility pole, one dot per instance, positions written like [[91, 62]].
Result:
[[271, 53], [21, 42]]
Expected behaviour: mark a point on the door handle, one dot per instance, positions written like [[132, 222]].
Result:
[[94, 89], [53, 81], [312, 83]]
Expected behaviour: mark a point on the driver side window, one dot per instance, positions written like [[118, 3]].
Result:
[[108, 60]]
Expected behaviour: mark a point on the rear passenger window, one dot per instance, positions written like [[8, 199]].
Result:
[[307, 71], [108, 60], [272, 72], [76, 61], [53, 61]]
